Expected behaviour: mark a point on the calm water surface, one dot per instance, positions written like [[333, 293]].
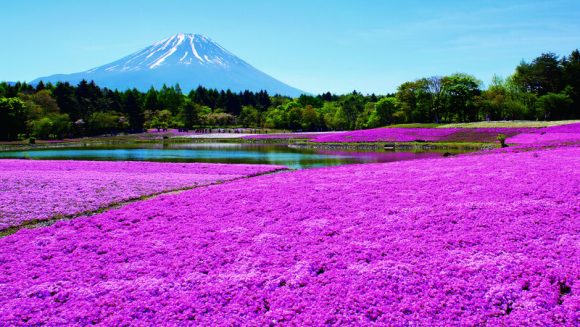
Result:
[[221, 153]]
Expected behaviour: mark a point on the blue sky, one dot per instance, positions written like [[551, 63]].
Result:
[[339, 46]]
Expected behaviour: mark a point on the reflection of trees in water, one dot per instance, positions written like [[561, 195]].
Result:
[[232, 153]]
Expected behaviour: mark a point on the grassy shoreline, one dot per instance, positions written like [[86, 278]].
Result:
[[295, 140]]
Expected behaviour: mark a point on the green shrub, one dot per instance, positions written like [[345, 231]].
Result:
[[501, 138]]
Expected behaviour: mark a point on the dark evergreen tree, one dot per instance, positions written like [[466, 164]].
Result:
[[65, 97], [542, 75], [191, 112], [152, 100], [170, 98], [232, 103], [263, 101], [247, 98], [12, 118], [40, 86], [134, 110], [571, 77]]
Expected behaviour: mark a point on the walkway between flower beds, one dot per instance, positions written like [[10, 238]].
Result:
[[39, 191]]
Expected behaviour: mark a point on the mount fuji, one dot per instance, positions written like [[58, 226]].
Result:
[[188, 59]]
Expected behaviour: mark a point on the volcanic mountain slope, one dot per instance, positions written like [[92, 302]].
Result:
[[188, 59]]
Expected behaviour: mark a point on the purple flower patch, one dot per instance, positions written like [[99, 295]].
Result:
[[39, 190], [469, 240]]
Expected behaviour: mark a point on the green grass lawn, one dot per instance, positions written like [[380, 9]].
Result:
[[415, 125]]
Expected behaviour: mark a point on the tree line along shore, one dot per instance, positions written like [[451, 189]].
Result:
[[547, 88]]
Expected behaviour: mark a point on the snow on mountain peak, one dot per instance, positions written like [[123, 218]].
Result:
[[178, 49], [188, 59]]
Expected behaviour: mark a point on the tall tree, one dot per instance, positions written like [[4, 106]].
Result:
[[384, 111], [134, 110], [352, 105], [12, 118], [65, 97], [542, 75], [152, 100], [415, 101], [191, 114], [460, 92], [435, 89], [571, 77]]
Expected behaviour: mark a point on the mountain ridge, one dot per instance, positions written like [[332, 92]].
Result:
[[189, 60]]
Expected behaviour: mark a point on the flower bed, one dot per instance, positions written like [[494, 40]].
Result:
[[509, 124], [284, 136], [40, 190], [563, 133], [469, 240], [535, 138], [386, 135], [421, 134]]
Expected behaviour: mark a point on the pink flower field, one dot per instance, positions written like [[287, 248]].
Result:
[[421, 134], [476, 240], [40, 190], [563, 133], [305, 135], [516, 135]]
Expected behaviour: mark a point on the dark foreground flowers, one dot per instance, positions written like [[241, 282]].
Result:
[[489, 239], [40, 190]]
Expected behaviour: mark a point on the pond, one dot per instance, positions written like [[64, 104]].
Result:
[[295, 158]]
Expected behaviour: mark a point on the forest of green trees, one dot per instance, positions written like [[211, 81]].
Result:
[[547, 88]]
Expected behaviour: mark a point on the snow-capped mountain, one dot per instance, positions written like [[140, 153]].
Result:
[[188, 59]]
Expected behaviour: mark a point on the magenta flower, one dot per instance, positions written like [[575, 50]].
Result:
[[470, 240], [421, 134], [40, 190]]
